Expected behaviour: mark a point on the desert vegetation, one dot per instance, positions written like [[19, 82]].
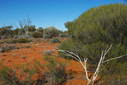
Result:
[[93, 31], [93, 50]]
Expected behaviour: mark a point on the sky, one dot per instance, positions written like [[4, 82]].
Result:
[[45, 13]]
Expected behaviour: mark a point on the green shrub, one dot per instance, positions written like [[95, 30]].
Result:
[[8, 76], [64, 35], [21, 40], [104, 23], [55, 40], [115, 74], [7, 48], [57, 73], [37, 35], [93, 51], [115, 80], [94, 31], [51, 32], [67, 45], [6, 32]]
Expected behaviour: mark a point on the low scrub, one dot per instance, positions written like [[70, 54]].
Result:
[[57, 74], [22, 40], [37, 35], [54, 75], [55, 40], [114, 80], [7, 48], [10, 77]]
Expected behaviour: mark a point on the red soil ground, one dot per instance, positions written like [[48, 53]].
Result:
[[18, 57]]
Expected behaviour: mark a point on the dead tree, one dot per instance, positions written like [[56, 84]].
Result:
[[25, 24], [91, 80]]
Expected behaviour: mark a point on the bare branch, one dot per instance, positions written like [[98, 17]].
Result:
[[100, 63], [73, 55], [103, 54], [114, 58], [68, 54], [106, 51], [98, 66], [85, 65]]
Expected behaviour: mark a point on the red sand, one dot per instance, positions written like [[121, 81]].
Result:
[[15, 59]]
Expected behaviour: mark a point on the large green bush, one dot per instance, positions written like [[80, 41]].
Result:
[[96, 29], [105, 23]]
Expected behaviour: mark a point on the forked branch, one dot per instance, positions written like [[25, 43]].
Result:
[[84, 63]]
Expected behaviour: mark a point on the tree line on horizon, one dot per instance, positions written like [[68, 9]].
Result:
[[26, 30]]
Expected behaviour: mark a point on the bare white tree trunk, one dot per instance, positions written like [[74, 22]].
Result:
[[90, 81], [24, 24]]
